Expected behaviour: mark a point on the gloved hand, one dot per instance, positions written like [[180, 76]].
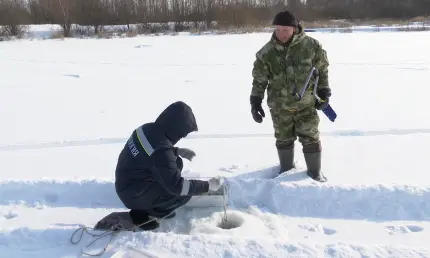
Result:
[[215, 183], [322, 105], [324, 94], [256, 109], [186, 153]]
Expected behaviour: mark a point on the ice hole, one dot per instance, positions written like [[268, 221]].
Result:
[[232, 221]]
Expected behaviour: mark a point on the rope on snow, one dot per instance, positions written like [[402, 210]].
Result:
[[119, 228]]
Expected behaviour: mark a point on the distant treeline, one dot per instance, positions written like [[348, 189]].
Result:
[[225, 13]]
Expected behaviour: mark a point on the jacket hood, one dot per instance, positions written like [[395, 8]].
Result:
[[177, 121]]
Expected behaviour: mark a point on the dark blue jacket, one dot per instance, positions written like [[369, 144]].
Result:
[[148, 172]]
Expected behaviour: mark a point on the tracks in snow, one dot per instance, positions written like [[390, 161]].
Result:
[[297, 195], [113, 140], [54, 242], [377, 202], [81, 194], [290, 207], [300, 197]]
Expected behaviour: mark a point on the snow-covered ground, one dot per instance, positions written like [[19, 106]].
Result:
[[67, 106]]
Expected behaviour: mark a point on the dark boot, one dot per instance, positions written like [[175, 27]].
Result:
[[313, 163], [286, 159], [143, 221]]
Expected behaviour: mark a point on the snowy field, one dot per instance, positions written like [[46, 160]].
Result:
[[67, 107]]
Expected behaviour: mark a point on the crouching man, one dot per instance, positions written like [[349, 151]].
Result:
[[148, 175]]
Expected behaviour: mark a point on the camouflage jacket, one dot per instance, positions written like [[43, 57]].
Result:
[[280, 68]]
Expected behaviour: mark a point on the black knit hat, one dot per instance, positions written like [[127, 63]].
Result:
[[285, 18]]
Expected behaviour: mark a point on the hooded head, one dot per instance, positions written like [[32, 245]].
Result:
[[177, 121]]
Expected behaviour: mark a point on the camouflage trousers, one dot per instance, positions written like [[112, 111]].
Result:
[[290, 125]]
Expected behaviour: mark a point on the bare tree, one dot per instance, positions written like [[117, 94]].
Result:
[[92, 12], [226, 13], [63, 14], [13, 15], [57, 12], [126, 11]]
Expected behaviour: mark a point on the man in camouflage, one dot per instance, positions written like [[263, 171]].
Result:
[[282, 66]]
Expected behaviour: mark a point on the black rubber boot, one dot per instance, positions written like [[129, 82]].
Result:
[[313, 163], [143, 221], [286, 159]]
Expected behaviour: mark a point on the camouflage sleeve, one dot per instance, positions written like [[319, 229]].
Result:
[[322, 63], [260, 74]]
